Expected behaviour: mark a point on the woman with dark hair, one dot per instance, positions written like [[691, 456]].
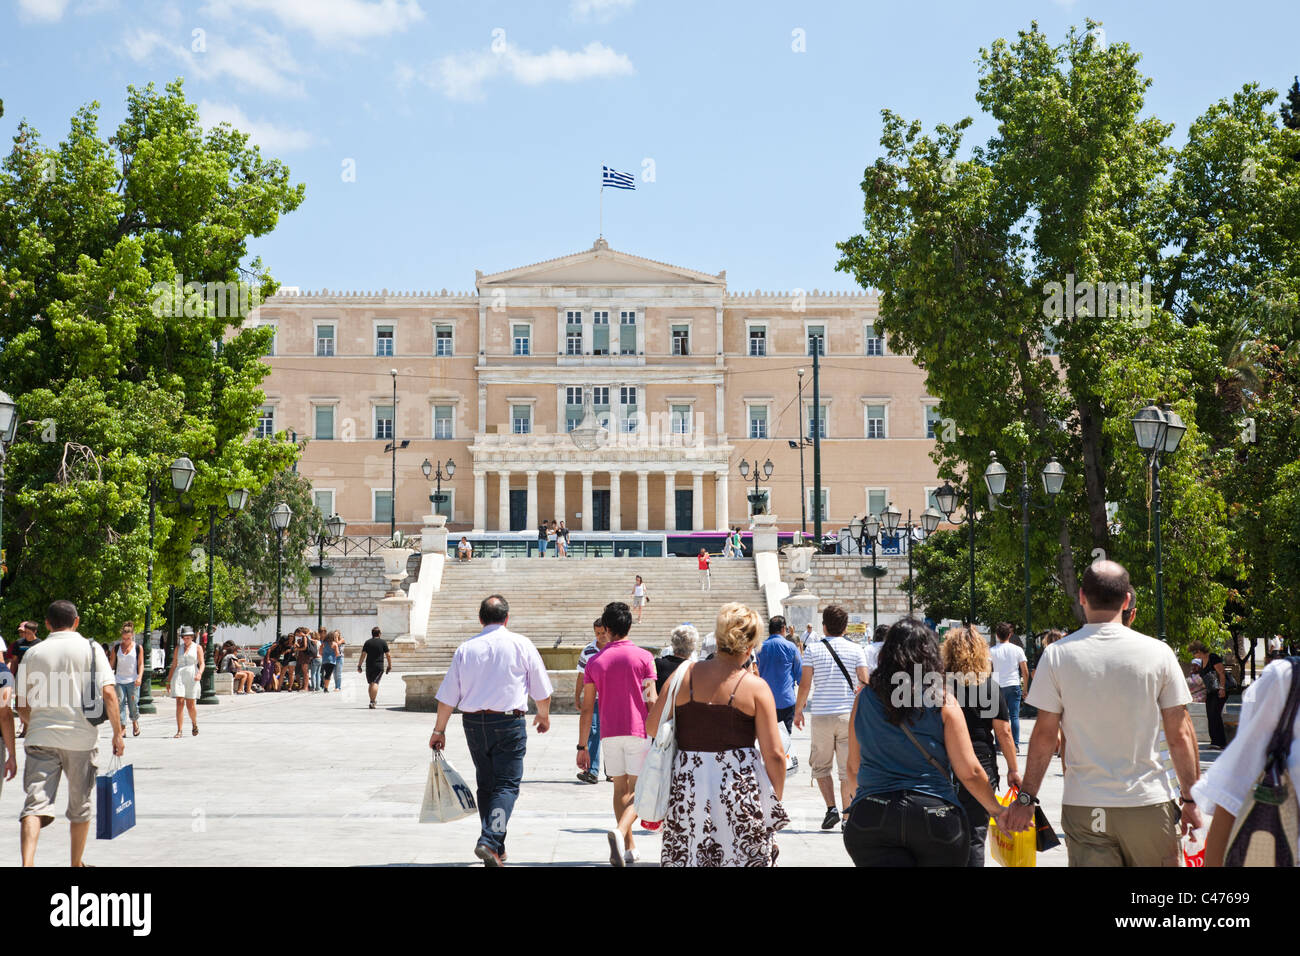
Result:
[[907, 741]]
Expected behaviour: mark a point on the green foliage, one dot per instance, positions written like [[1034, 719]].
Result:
[[112, 382]]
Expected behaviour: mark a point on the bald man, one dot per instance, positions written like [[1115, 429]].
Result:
[[1112, 690]]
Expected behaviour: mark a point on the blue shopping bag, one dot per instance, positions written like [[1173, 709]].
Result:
[[114, 801]]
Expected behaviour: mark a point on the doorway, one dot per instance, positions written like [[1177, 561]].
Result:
[[685, 508], [600, 509], [518, 509]]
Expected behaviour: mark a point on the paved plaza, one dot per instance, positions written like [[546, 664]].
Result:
[[319, 779]]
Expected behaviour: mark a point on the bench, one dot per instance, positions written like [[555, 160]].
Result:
[[223, 684]]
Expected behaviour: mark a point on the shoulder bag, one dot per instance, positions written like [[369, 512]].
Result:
[[656, 779], [1266, 830], [93, 707]]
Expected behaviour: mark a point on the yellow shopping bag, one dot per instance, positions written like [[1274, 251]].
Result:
[[1012, 849]]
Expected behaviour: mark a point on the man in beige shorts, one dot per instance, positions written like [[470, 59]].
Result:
[[60, 741]]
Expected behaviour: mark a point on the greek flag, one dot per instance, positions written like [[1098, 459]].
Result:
[[616, 180]]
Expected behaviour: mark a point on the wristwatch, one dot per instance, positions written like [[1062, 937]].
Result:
[[582, 746], [1025, 799]]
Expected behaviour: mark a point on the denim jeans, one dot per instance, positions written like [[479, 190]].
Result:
[[1012, 696], [541, 547], [128, 696], [593, 741], [313, 674], [906, 828], [496, 745]]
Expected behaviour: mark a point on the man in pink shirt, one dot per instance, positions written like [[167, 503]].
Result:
[[623, 676]]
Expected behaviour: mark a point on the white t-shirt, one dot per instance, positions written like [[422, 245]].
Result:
[[128, 664], [1007, 658], [52, 679], [831, 693], [1109, 684], [872, 653]]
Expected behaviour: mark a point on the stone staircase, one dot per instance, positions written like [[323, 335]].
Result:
[[554, 602]]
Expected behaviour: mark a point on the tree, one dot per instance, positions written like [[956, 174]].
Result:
[[1072, 247], [1290, 109], [122, 352]]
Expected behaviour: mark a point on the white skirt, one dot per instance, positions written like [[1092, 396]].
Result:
[[185, 684], [722, 811]]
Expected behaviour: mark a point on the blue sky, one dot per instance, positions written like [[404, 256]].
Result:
[[478, 128]]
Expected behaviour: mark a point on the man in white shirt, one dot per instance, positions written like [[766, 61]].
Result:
[[1112, 690], [833, 669], [490, 679], [1011, 672], [52, 681]]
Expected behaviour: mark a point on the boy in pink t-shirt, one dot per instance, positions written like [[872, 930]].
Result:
[[624, 677]]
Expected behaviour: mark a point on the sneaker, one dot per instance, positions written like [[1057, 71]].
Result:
[[832, 818], [488, 855], [631, 856], [615, 848], [586, 776]]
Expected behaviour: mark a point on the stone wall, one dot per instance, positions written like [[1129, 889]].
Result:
[[356, 587], [837, 579]]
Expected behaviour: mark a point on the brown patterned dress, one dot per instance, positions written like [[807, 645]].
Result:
[[722, 810]]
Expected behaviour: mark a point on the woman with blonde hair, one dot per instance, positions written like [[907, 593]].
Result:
[[968, 670], [725, 797]]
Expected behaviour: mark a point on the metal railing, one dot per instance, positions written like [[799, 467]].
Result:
[[367, 544]]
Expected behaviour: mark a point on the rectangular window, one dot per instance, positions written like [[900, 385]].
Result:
[[383, 506], [681, 419], [627, 396], [820, 423], [757, 421], [812, 504], [817, 339], [444, 418], [681, 340], [932, 420], [384, 340], [442, 340], [758, 341], [521, 419], [324, 502], [384, 422], [324, 422], [875, 421], [573, 332], [600, 404], [875, 343], [572, 407], [523, 340], [265, 422], [445, 508], [324, 340], [600, 332], [930, 500], [275, 334], [627, 332], [877, 499]]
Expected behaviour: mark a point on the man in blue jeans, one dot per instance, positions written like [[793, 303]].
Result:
[[490, 679], [781, 665], [1011, 671], [592, 773]]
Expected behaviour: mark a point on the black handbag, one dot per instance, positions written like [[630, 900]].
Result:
[[93, 706]]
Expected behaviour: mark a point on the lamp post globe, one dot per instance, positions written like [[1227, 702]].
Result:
[[995, 477], [930, 520], [182, 470], [1147, 426], [891, 517]]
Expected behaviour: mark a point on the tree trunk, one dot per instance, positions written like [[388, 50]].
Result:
[[1094, 474]]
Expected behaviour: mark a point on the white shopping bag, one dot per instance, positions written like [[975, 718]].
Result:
[[446, 797]]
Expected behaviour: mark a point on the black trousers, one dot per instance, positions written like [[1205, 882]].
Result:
[[977, 818], [1214, 717], [906, 828], [785, 715]]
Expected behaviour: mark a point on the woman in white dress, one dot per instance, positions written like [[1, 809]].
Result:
[[638, 597], [183, 679]]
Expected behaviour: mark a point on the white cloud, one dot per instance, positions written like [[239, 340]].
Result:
[[49, 11], [267, 66], [461, 76], [271, 138], [340, 22], [598, 9]]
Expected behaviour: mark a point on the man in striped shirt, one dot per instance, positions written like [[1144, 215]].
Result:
[[833, 669], [592, 773]]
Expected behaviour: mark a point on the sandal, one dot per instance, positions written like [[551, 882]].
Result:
[[176, 736], [194, 732], [135, 728]]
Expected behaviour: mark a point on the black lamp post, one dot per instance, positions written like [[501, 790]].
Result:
[[756, 496], [182, 476], [1158, 432], [995, 476], [392, 448], [929, 521], [803, 442], [330, 532], [947, 499], [281, 515], [867, 529], [235, 502], [433, 473]]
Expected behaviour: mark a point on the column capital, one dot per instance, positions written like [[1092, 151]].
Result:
[[698, 472], [531, 473], [588, 472], [643, 473]]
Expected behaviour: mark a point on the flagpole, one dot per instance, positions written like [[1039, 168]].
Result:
[[602, 207]]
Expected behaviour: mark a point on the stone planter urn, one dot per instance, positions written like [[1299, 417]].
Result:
[[394, 568], [562, 658]]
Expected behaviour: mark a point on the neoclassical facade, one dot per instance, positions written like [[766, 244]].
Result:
[[682, 378]]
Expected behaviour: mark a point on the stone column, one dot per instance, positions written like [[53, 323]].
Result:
[[697, 501], [561, 512], [503, 501], [615, 501], [480, 501], [586, 501], [643, 501], [720, 504], [670, 501], [530, 521]]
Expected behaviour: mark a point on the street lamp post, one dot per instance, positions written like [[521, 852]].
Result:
[[281, 515], [803, 443], [235, 502], [1158, 431], [947, 499], [330, 532], [182, 476], [995, 476], [929, 521], [867, 529], [756, 496], [433, 473], [393, 447]]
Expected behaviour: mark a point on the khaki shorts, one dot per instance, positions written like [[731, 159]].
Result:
[[1121, 836], [623, 756], [41, 772], [830, 741]]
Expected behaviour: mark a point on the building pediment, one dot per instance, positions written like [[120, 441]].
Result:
[[600, 265]]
